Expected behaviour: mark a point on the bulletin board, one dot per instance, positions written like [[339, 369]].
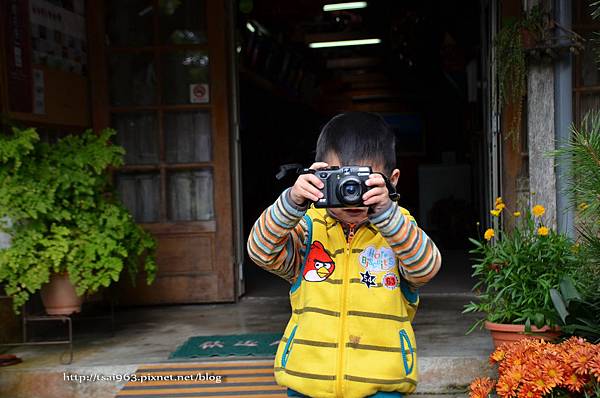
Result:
[[43, 67]]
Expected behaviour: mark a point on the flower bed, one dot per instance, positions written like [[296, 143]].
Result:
[[538, 369]]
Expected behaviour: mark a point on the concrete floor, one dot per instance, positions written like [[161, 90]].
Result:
[[448, 359]]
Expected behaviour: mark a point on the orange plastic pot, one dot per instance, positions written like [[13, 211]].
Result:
[[506, 333]]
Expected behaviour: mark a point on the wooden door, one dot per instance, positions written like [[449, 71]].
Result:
[[160, 79]]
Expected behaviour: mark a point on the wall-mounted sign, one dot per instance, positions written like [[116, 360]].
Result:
[[18, 54], [199, 93], [59, 36]]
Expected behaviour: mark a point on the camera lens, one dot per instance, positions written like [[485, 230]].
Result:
[[350, 191]]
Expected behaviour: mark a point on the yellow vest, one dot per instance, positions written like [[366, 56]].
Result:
[[350, 333]]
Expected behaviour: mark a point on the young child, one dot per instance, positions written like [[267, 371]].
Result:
[[354, 273]]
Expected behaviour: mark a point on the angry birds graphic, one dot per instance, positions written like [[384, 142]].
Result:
[[319, 265]]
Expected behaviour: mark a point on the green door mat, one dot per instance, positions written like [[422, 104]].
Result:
[[257, 344]]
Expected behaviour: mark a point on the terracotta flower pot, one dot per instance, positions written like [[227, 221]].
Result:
[[506, 333], [59, 296], [528, 39]]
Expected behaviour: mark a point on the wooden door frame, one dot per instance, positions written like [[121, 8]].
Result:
[[220, 81]]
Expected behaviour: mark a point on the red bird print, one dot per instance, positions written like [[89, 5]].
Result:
[[319, 265]]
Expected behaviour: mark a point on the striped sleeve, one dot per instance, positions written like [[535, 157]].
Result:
[[278, 237], [419, 257]]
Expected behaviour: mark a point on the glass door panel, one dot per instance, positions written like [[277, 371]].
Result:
[[187, 137], [132, 79], [182, 21], [190, 195], [185, 77], [129, 23], [138, 134], [140, 193]]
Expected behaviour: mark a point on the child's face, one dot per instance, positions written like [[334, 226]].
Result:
[[356, 215]]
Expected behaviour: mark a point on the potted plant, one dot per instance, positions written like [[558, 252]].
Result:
[[65, 223], [536, 369], [516, 270], [511, 44]]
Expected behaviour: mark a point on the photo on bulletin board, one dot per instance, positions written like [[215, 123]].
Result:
[[409, 129]]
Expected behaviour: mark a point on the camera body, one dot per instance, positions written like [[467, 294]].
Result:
[[343, 186]]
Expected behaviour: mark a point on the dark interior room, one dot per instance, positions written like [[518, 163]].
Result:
[[421, 71]]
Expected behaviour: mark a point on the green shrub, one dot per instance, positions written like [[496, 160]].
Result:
[[64, 216]]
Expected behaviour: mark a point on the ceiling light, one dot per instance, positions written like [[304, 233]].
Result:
[[345, 6], [250, 27], [341, 43]]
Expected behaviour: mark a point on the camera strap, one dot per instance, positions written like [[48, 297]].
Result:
[[394, 196], [287, 168]]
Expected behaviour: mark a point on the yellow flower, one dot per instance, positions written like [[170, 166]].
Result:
[[517, 214], [543, 231], [495, 213], [498, 201], [538, 210], [489, 234], [583, 206], [500, 206]]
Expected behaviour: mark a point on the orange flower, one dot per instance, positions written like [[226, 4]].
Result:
[[497, 355], [580, 357], [526, 391], [507, 386], [538, 210], [575, 383], [481, 387], [489, 234], [534, 368], [553, 369], [543, 231], [540, 382], [516, 373], [594, 365]]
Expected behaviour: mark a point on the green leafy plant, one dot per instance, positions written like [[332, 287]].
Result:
[[595, 13], [511, 63], [516, 269], [581, 155], [578, 316], [61, 214]]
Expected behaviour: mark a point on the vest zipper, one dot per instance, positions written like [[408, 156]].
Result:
[[344, 294], [350, 235]]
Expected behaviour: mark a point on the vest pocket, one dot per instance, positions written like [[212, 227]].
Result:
[[287, 350], [405, 345]]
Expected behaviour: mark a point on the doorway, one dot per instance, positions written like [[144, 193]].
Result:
[[159, 77], [424, 77]]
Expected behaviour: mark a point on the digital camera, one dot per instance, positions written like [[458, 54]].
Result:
[[343, 186]]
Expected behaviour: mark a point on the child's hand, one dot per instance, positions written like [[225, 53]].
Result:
[[377, 198], [307, 186]]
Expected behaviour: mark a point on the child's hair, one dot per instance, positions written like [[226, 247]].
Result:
[[358, 136]]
